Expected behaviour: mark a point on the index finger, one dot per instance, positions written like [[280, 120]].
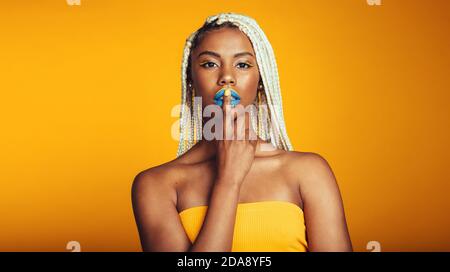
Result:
[[227, 115]]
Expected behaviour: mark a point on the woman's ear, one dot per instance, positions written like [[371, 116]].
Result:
[[260, 82]]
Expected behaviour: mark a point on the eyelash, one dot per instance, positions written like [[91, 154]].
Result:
[[204, 64]]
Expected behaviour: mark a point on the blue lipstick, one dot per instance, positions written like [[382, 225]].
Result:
[[235, 98]]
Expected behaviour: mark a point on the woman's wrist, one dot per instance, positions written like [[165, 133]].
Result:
[[228, 182]]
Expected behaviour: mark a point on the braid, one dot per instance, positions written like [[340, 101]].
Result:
[[265, 58]]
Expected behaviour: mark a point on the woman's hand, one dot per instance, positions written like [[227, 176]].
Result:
[[234, 156]]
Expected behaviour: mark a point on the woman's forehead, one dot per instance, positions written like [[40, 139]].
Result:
[[226, 42]]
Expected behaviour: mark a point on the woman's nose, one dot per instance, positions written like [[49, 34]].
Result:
[[227, 78]]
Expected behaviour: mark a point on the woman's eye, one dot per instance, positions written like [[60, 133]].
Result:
[[244, 65], [208, 64]]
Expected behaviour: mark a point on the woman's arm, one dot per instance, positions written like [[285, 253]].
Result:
[[234, 159], [154, 200], [159, 225], [217, 231], [324, 212], [154, 206]]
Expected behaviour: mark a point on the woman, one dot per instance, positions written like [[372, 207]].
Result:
[[237, 195]]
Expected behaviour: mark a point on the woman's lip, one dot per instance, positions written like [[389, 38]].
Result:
[[220, 93], [234, 99], [231, 98], [233, 102]]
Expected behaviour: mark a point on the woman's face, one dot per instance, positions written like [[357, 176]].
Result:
[[224, 56]]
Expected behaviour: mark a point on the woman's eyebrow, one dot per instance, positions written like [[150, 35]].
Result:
[[243, 54], [207, 52]]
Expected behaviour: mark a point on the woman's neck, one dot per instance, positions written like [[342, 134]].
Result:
[[205, 150]]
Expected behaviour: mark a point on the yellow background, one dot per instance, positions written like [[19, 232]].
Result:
[[86, 95]]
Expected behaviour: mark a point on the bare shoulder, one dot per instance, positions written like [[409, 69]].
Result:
[[323, 204], [154, 200], [158, 183], [306, 161], [309, 168]]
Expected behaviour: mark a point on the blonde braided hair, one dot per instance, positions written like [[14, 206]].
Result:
[[271, 95]]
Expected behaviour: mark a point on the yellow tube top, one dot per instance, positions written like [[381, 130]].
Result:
[[265, 226]]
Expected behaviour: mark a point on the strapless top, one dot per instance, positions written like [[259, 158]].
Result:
[[265, 226]]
